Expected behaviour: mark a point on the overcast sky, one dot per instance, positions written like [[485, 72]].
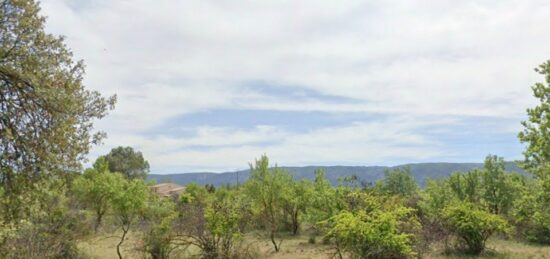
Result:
[[210, 85]]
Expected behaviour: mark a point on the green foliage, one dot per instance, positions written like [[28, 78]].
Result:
[[498, 192], [399, 181], [267, 188], [48, 230], [46, 113], [377, 231], [127, 205], [96, 188], [213, 224], [437, 195], [325, 201], [296, 200], [532, 212], [472, 225], [128, 162], [535, 132], [491, 187], [466, 186], [159, 238]]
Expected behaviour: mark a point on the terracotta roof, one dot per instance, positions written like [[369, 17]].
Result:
[[168, 189]]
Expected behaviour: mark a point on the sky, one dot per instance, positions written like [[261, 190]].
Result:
[[211, 85]]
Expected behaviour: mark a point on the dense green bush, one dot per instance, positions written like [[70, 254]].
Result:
[[377, 230], [473, 226]]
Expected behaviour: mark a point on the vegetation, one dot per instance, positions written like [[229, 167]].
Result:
[[49, 206], [128, 162], [472, 225]]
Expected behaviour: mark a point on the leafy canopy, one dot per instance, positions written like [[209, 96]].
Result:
[[129, 162]]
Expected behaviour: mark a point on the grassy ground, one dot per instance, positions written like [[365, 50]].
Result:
[[104, 246], [498, 248]]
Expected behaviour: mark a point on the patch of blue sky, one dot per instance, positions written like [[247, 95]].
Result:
[[295, 93], [472, 138], [293, 121]]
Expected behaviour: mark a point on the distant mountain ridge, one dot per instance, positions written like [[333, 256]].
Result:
[[421, 171]]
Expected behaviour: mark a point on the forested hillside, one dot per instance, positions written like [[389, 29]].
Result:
[[367, 174]]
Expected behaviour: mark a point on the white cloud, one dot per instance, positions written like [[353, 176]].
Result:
[[228, 148], [414, 58]]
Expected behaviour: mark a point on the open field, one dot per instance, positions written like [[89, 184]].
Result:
[[298, 247]]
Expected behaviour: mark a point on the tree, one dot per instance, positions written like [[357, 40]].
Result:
[[466, 186], [536, 131], [399, 181], [296, 201], [127, 205], [46, 114], [96, 187], [212, 224], [128, 162], [472, 225], [266, 187], [498, 189], [325, 201], [533, 211]]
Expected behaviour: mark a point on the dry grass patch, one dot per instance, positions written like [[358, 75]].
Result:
[[498, 248]]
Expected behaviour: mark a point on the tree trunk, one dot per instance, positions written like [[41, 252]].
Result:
[[124, 232], [272, 236], [295, 223], [99, 217]]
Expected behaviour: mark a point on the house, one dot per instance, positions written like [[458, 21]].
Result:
[[168, 189]]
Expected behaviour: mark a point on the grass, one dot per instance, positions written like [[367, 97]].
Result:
[[299, 247], [499, 248]]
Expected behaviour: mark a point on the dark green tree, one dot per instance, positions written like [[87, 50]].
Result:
[[129, 162], [399, 181], [498, 189], [46, 114]]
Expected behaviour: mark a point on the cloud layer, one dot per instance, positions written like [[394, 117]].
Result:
[[308, 82]]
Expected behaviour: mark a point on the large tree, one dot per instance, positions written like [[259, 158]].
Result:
[[46, 114], [533, 208], [536, 132], [129, 162]]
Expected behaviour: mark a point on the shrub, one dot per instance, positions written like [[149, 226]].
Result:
[[472, 226], [48, 230], [212, 225], [374, 234], [158, 236]]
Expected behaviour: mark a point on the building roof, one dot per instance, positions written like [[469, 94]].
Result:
[[168, 189]]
